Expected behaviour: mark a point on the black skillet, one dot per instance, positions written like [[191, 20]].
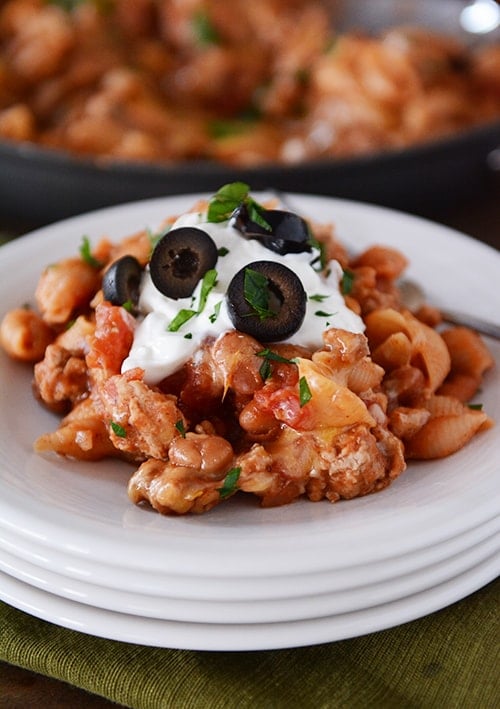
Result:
[[40, 186]]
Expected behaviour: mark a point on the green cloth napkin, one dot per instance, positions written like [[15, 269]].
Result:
[[449, 659]]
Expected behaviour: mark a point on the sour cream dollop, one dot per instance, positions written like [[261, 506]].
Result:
[[161, 352]]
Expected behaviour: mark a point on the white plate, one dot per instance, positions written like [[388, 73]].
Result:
[[82, 509], [232, 608], [246, 589], [237, 636]]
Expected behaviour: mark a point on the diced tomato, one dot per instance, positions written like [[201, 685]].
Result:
[[113, 338], [284, 404]]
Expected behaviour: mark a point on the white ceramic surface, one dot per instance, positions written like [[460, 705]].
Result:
[[245, 589], [232, 608], [237, 636]]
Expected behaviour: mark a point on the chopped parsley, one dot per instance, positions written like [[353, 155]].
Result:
[[67, 5], [231, 196], [230, 484], [346, 282], [318, 298], [475, 407], [274, 356], [118, 430], [257, 293], [220, 129], [222, 251], [269, 356], [154, 237], [322, 314], [185, 314], [320, 261], [265, 370], [180, 319], [216, 312], [204, 29], [181, 428], [305, 394], [86, 254], [208, 282], [70, 5]]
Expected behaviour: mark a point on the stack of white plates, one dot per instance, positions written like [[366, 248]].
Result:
[[75, 551]]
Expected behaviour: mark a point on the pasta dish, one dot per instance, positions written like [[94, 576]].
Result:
[[241, 83], [239, 348]]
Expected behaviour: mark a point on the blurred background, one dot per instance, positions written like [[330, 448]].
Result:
[[394, 102]]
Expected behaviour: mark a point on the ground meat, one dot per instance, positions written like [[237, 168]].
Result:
[[142, 421], [60, 379]]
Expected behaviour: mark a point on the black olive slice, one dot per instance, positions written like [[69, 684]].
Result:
[[289, 233], [180, 259], [122, 280], [267, 301]]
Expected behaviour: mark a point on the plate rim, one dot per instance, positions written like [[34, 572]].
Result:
[[212, 637]]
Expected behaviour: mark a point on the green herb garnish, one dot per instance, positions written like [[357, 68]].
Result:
[[305, 394], [118, 430], [208, 282], [216, 312], [204, 29], [230, 484], [180, 427], [231, 196], [220, 129], [318, 263], [182, 317], [475, 407], [265, 370], [225, 201], [346, 282], [222, 251], [274, 356], [67, 5], [86, 254], [257, 294], [318, 298], [70, 5], [154, 237], [322, 314], [269, 356]]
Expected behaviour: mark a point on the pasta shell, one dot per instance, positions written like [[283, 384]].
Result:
[[468, 352], [428, 350], [443, 435], [394, 352], [445, 406]]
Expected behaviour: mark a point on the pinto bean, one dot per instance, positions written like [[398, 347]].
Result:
[[257, 422], [209, 454]]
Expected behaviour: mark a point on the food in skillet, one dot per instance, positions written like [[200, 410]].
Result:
[[240, 348], [242, 83]]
